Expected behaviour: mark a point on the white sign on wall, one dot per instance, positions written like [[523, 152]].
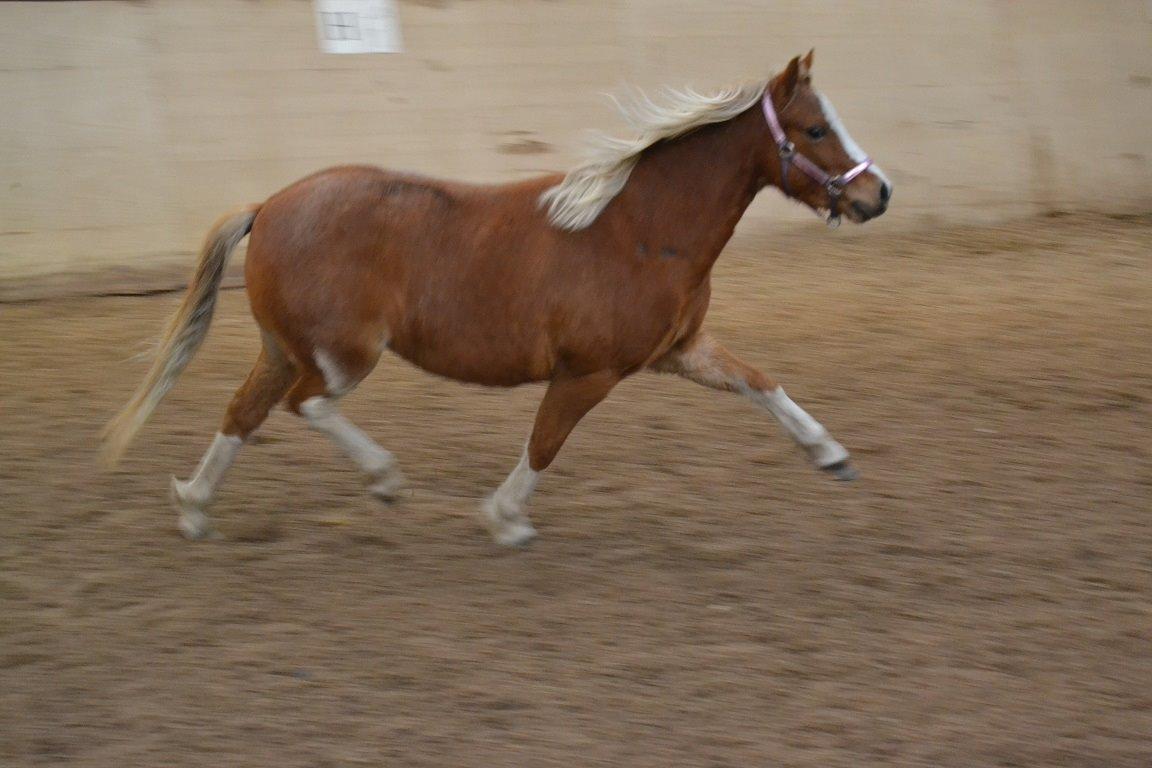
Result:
[[358, 26]]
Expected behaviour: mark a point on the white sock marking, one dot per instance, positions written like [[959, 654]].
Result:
[[804, 429], [369, 456], [192, 497], [504, 509], [333, 376], [519, 485], [199, 491]]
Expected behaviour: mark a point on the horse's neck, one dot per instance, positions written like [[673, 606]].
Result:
[[686, 196]]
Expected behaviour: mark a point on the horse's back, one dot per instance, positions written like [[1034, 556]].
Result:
[[470, 282], [438, 271]]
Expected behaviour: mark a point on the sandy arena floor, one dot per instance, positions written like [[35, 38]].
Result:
[[982, 596]]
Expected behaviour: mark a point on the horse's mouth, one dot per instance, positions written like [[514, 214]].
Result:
[[858, 213], [854, 216]]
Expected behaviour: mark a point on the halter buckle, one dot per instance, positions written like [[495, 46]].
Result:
[[787, 150], [835, 186]]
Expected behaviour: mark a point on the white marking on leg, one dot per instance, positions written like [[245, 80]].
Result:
[[504, 510], [378, 463], [194, 496], [333, 376], [804, 429], [850, 146]]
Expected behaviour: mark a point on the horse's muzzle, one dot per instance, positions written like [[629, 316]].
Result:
[[860, 212]]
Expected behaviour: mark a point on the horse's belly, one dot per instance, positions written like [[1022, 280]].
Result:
[[503, 358]]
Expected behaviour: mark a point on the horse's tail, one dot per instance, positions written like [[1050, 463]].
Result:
[[184, 334]]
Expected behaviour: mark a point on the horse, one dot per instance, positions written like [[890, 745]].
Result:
[[578, 280]]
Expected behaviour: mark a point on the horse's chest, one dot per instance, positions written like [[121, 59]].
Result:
[[663, 323]]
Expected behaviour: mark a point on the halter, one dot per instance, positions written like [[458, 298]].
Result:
[[833, 185]]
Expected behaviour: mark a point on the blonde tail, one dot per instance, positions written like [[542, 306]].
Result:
[[183, 336]]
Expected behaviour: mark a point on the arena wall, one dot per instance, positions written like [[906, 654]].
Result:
[[128, 127]]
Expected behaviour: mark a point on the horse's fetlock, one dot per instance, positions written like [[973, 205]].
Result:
[[387, 484], [827, 452], [188, 495]]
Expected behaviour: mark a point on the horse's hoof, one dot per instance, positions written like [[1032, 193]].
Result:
[[515, 535], [841, 470], [390, 488], [195, 525], [507, 528]]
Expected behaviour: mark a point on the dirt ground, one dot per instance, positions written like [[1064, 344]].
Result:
[[699, 596]]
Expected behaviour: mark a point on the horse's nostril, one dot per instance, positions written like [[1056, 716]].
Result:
[[885, 192]]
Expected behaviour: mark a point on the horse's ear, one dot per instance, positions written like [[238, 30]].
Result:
[[806, 67], [784, 85]]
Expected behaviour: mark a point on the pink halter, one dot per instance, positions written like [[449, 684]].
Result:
[[789, 156]]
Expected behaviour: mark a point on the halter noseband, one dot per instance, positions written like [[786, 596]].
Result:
[[833, 185]]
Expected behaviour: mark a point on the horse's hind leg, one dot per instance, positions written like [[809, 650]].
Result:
[[329, 376], [269, 379]]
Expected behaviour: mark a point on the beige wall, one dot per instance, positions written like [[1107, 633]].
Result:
[[127, 127]]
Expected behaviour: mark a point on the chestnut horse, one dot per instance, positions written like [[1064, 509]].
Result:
[[577, 280]]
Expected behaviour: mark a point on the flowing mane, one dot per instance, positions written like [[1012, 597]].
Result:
[[576, 202]]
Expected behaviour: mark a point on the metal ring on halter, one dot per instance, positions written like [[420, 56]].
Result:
[[835, 188], [787, 150]]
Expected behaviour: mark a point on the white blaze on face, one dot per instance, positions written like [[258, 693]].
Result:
[[850, 146]]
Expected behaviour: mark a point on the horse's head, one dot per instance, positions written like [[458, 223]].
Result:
[[810, 155]]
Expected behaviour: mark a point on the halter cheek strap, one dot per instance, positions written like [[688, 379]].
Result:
[[834, 185]]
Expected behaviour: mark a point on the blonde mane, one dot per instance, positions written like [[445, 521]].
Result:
[[575, 202]]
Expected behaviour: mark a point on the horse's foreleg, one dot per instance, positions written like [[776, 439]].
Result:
[[705, 361], [567, 400], [270, 378]]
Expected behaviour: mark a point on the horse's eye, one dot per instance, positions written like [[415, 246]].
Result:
[[816, 132]]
